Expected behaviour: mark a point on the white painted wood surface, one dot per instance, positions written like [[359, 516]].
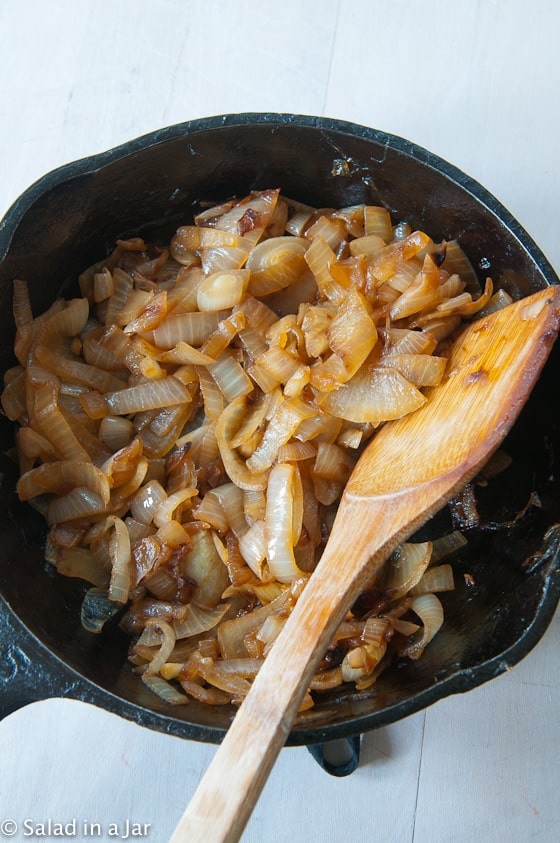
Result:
[[476, 81]]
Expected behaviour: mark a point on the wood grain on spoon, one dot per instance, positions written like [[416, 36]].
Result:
[[408, 471]]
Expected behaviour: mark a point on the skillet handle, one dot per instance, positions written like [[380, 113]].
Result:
[[338, 757], [28, 672]]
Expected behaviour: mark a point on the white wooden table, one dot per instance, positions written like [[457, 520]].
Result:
[[476, 82]]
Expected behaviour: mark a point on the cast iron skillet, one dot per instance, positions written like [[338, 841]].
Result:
[[72, 216]]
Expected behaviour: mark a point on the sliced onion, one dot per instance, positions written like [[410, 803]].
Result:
[[435, 579], [430, 611], [81, 502], [203, 565], [199, 619], [164, 511], [164, 690], [282, 426], [192, 328], [119, 546], [404, 569], [61, 477], [228, 425], [253, 547], [279, 523], [374, 395], [419, 369], [230, 377], [222, 290], [80, 562], [377, 221], [146, 501], [147, 396], [275, 264]]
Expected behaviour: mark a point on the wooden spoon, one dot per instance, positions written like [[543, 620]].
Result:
[[411, 468]]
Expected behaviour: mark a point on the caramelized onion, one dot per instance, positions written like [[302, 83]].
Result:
[[187, 427]]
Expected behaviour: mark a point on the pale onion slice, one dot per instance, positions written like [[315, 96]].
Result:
[[275, 264], [183, 353], [211, 512], [445, 545], [136, 302], [68, 322], [232, 501], [227, 427], [435, 579], [13, 397], [123, 285], [375, 630], [224, 334], [199, 619], [165, 511], [419, 369], [279, 523], [422, 294], [222, 290], [404, 569], [164, 690], [119, 547], [145, 502], [192, 328], [151, 395], [116, 432], [367, 245], [81, 502], [61, 477], [319, 257], [80, 562], [282, 426], [247, 668], [362, 661], [150, 316], [75, 371], [333, 462], [373, 395], [352, 333], [48, 420], [167, 634], [332, 231], [236, 686], [253, 420], [204, 566], [326, 680], [103, 285], [377, 221], [456, 262], [121, 467], [406, 341], [253, 546], [172, 533], [230, 377], [33, 445], [211, 394], [194, 237], [387, 260], [430, 611]]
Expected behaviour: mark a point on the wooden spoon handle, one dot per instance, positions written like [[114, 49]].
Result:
[[231, 786], [228, 792]]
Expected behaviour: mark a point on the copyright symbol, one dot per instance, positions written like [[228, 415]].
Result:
[[8, 828]]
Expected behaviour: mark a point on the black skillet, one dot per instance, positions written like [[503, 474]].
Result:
[[72, 216]]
